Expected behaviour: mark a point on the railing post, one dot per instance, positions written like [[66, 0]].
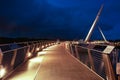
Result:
[[71, 50], [33, 45], [91, 60], [14, 57], [108, 67], [1, 56], [28, 50], [76, 51]]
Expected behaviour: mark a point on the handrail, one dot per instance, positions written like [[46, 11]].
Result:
[[14, 49], [11, 58], [90, 49], [22, 42], [98, 61]]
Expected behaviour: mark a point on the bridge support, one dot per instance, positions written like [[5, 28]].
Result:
[[71, 50], [76, 52], [13, 59], [108, 68], [91, 60]]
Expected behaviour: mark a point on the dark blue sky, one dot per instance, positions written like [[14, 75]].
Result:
[[67, 19]]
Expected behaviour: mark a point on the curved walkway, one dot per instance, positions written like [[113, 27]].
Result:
[[58, 64]]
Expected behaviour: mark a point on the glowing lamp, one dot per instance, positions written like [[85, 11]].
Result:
[[42, 46], [37, 49], [29, 54], [2, 71]]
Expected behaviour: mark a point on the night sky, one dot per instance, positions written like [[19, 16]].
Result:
[[64, 19]]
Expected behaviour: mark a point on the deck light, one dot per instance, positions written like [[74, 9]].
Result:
[[37, 49], [29, 54], [41, 53], [42, 46], [2, 71]]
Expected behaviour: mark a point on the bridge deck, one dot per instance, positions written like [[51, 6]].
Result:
[[56, 64]]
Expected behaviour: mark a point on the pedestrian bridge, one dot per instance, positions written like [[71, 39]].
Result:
[[48, 60]]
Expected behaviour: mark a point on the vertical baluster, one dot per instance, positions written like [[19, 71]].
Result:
[[108, 68]]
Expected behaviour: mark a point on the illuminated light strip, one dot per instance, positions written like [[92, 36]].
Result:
[[41, 53], [37, 60]]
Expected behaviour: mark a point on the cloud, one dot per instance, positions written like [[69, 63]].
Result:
[[114, 33], [56, 18]]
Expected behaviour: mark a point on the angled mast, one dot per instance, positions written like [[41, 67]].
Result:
[[93, 25], [102, 34]]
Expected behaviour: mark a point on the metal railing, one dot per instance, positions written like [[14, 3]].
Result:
[[102, 64], [14, 54]]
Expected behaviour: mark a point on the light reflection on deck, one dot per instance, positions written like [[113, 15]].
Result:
[[53, 63]]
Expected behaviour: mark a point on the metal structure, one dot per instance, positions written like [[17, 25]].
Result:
[[14, 54], [102, 35], [93, 25], [97, 59]]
